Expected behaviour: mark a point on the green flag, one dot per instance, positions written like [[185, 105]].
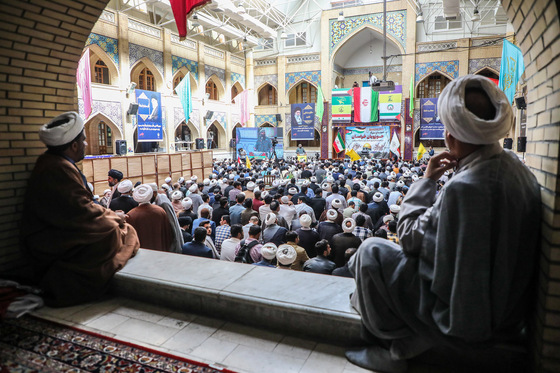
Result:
[[374, 106], [319, 105], [411, 103]]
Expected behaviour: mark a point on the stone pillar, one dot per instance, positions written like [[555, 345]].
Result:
[[283, 97], [228, 84], [167, 91], [202, 91], [250, 85], [129, 121]]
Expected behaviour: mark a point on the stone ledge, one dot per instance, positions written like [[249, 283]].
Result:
[[297, 303]]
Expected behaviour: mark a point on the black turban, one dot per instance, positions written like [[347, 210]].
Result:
[[116, 174]]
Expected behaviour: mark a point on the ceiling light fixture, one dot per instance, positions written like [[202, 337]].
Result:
[[476, 15], [241, 9], [341, 16], [283, 35], [420, 18]]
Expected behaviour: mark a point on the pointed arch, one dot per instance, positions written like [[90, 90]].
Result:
[[180, 74], [96, 54], [101, 133], [185, 135], [432, 84], [220, 90], [301, 93], [234, 129], [219, 138], [267, 94], [488, 72], [266, 124], [137, 68], [236, 89], [349, 37]]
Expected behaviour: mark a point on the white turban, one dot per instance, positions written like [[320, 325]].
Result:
[[167, 179], [206, 182], [336, 203], [193, 188], [270, 218], [331, 215], [285, 199], [414, 177], [194, 178], [72, 125], [395, 209], [153, 186], [165, 186], [250, 185], [286, 254], [106, 191], [348, 225], [305, 220], [313, 179], [268, 251], [176, 195], [143, 193], [325, 186], [330, 179], [387, 218], [181, 180], [464, 125], [124, 186], [400, 183], [292, 190], [264, 194], [306, 183], [275, 183], [186, 203]]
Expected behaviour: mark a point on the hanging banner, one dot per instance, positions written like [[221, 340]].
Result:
[[303, 121], [150, 124], [390, 104], [374, 141], [341, 105], [258, 142], [431, 127], [83, 78]]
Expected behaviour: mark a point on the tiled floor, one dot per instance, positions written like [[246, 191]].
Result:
[[238, 347]]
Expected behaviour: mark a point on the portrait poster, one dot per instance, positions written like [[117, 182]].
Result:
[[303, 121], [150, 121], [431, 127]]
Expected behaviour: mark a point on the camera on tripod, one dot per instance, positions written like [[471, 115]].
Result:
[[274, 141]]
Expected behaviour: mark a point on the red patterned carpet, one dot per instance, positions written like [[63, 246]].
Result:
[[30, 344]]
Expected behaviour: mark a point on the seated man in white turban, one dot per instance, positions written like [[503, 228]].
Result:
[[74, 245], [463, 272], [124, 202]]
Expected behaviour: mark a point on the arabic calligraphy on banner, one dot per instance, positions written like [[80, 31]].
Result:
[[431, 127], [374, 140]]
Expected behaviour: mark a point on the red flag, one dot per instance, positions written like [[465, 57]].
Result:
[[181, 10]]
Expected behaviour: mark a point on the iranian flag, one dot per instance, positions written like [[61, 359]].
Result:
[[366, 103], [339, 143]]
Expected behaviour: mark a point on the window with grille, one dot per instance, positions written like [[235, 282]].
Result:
[[432, 86], [268, 95], [101, 73], [212, 90], [296, 40], [234, 92], [146, 80], [304, 93]]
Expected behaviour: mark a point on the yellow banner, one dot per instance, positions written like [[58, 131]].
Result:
[[388, 98], [353, 155]]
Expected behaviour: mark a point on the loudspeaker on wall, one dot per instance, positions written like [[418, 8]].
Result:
[[508, 143], [120, 146], [521, 144], [200, 143], [279, 117], [132, 109], [520, 102]]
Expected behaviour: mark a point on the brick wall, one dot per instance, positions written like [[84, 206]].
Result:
[[41, 42], [537, 32]]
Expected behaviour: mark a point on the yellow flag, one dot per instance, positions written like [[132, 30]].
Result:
[[249, 163], [421, 151], [353, 155]]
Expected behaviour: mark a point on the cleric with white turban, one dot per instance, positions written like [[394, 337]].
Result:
[[143, 193], [467, 254]]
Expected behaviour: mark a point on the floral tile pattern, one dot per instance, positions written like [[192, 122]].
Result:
[[220, 73], [266, 118], [111, 110], [294, 78], [109, 45], [178, 62], [137, 52], [271, 79], [340, 30], [219, 116], [480, 63], [236, 77], [450, 68]]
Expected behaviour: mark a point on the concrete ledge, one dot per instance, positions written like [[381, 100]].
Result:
[[303, 304]]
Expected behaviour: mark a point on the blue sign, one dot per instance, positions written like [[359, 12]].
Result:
[[150, 124], [257, 142], [303, 121], [431, 127]]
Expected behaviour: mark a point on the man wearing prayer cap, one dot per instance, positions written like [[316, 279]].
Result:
[[124, 202], [73, 244], [150, 221], [463, 272]]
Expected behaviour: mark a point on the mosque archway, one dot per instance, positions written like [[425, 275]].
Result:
[[235, 90], [185, 135], [218, 139], [146, 75], [103, 69], [214, 88], [101, 135], [178, 77], [303, 92], [268, 95]]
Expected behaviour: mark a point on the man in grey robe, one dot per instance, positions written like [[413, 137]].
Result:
[[162, 201], [463, 272]]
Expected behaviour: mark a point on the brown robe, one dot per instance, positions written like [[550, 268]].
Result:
[[74, 245], [152, 225]]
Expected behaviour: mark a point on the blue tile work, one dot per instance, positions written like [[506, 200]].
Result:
[[480, 63], [449, 68], [110, 109], [236, 77], [109, 45], [220, 73], [178, 62], [261, 119], [294, 78], [179, 116], [219, 116], [341, 30], [271, 79], [137, 52]]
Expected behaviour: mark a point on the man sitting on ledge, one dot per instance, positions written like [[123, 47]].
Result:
[[463, 272], [74, 245]]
